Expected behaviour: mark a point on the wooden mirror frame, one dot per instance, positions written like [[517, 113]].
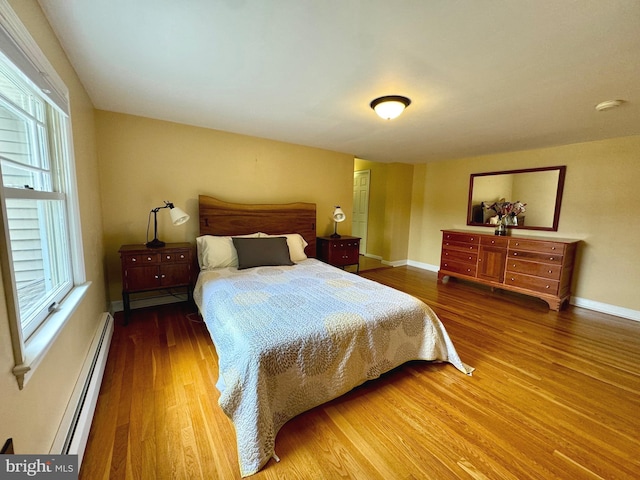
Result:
[[556, 215]]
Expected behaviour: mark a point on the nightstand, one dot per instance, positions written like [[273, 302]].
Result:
[[145, 269], [339, 252]]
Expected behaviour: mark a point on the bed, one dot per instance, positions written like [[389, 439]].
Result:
[[291, 335]]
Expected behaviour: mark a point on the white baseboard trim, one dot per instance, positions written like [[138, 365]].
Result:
[[606, 308], [577, 301], [117, 305], [397, 263], [424, 266]]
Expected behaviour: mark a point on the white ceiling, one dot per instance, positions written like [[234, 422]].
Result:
[[484, 76]]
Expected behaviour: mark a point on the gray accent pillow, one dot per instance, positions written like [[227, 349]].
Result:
[[262, 252]]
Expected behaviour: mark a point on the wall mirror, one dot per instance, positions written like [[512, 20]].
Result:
[[539, 188]]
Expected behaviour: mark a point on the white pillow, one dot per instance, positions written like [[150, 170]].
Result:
[[218, 251], [296, 244]]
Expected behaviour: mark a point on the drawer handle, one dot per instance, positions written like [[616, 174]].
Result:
[[515, 254], [553, 248], [470, 258], [517, 244], [168, 257], [156, 276], [470, 248], [162, 276], [149, 258], [182, 256], [468, 269], [513, 279], [446, 264], [550, 258], [493, 241], [472, 239], [514, 265], [547, 286], [134, 259], [550, 271]]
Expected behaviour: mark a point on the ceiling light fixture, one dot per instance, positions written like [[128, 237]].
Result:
[[608, 104], [391, 106]]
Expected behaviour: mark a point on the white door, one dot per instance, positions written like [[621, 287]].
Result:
[[361, 181]]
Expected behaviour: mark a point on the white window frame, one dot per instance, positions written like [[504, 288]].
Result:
[[17, 44]]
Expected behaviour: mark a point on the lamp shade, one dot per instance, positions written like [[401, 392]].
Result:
[[178, 216], [338, 215], [391, 106]]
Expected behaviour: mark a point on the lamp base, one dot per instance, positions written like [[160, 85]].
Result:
[[336, 235], [155, 243]]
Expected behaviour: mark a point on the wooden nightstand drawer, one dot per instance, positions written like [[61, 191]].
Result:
[[134, 260], [175, 257]]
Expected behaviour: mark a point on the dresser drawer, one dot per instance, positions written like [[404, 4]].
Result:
[[555, 259], [459, 267], [459, 237], [537, 246], [469, 257], [463, 247], [494, 241], [550, 271], [536, 284]]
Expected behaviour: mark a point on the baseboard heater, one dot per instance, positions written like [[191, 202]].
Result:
[[73, 432]]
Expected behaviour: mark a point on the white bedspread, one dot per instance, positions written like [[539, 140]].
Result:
[[291, 338]]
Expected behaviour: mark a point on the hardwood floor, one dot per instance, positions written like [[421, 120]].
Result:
[[554, 395]]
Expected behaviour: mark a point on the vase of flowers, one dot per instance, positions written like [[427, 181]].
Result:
[[507, 213]]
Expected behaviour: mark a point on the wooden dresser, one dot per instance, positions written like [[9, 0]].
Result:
[[537, 266]]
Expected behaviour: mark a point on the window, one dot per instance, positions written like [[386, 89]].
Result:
[[40, 245], [35, 202]]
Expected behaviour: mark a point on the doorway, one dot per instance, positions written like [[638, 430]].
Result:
[[360, 218]]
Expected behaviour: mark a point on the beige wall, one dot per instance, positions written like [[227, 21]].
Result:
[[32, 415], [145, 161], [598, 207], [389, 209]]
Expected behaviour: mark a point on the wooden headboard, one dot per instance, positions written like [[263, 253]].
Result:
[[223, 218]]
